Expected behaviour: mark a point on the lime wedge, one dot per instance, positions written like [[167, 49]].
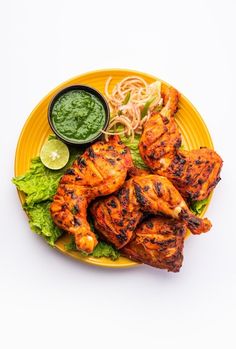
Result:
[[54, 154]]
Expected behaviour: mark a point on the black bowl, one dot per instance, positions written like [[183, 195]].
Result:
[[85, 88]]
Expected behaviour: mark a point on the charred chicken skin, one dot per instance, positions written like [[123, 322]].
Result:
[[194, 173], [158, 242], [100, 171], [117, 216]]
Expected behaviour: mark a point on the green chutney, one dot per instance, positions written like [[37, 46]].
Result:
[[78, 115]]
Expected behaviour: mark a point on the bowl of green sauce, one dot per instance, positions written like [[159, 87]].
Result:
[[78, 114]]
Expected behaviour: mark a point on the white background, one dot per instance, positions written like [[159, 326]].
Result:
[[48, 299]]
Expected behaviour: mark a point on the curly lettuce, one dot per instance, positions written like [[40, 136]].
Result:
[[101, 250], [40, 183], [198, 206], [137, 159], [40, 222], [105, 250]]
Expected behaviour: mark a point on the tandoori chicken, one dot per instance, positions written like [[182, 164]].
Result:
[[117, 216], [194, 173], [100, 171], [159, 242]]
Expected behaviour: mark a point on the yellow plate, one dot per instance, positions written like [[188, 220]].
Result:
[[36, 130]]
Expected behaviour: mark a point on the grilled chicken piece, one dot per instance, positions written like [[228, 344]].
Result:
[[194, 173], [117, 216], [156, 194], [158, 242], [100, 171]]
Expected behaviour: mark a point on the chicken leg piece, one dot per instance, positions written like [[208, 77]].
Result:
[[194, 173], [117, 216], [159, 242], [156, 194], [100, 171]]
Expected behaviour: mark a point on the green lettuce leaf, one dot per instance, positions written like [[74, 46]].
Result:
[[40, 183], [105, 250], [71, 246], [198, 206], [138, 161], [41, 222], [101, 250]]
